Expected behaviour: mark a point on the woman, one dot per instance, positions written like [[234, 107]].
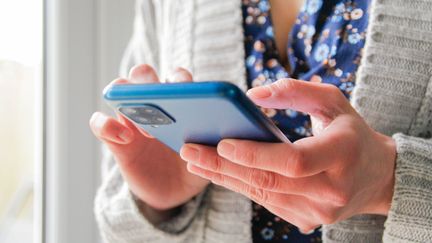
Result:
[[347, 177]]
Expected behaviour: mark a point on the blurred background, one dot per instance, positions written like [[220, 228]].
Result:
[[20, 72], [46, 189]]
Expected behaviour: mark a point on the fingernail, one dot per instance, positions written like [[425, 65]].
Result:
[[174, 76], [189, 153], [259, 93], [140, 79], [226, 149], [125, 135], [98, 120]]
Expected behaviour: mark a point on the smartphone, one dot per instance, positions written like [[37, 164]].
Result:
[[201, 112]]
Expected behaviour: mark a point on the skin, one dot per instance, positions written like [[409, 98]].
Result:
[[345, 169], [284, 14]]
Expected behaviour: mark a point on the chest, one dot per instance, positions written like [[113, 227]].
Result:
[[393, 88], [283, 15]]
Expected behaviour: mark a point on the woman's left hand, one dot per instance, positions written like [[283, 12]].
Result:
[[345, 169]]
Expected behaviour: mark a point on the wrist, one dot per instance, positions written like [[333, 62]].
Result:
[[385, 191], [155, 215]]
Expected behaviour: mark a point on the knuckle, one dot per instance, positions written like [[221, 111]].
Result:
[[257, 194], [333, 195], [263, 179], [355, 145], [217, 165], [250, 192], [324, 112], [327, 217], [287, 85], [340, 198], [248, 157], [336, 94], [295, 166], [242, 189], [216, 178], [332, 90]]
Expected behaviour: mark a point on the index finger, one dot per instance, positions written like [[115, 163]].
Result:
[[282, 158], [324, 101]]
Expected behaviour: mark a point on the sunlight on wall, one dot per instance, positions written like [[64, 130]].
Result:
[[21, 31]]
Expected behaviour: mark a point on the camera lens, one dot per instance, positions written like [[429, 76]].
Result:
[[129, 111], [161, 120], [146, 115], [148, 111], [142, 120]]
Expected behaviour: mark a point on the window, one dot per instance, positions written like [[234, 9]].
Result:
[[55, 58], [20, 104]]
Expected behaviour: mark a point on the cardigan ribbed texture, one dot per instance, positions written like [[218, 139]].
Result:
[[393, 93]]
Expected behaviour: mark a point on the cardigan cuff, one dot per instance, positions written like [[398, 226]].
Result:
[[120, 219], [360, 228], [410, 214]]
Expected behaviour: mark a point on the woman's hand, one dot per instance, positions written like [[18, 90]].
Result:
[[154, 173], [345, 169]]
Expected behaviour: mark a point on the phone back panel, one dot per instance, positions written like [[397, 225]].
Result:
[[204, 113]]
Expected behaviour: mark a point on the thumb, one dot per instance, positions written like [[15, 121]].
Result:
[[323, 101]]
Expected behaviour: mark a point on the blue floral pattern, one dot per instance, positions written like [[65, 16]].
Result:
[[325, 45]]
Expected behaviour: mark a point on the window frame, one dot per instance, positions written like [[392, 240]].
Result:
[[74, 30], [70, 154]]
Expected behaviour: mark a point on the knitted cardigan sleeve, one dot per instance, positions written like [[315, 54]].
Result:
[[395, 79], [120, 220], [410, 216]]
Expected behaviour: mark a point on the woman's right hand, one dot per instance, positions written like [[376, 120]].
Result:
[[154, 173]]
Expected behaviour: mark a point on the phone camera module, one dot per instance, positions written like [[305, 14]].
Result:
[[146, 115], [148, 111], [129, 111], [143, 120]]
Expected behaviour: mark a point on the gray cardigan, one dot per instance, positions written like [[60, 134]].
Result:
[[393, 93]]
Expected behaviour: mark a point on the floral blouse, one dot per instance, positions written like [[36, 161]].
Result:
[[325, 45]]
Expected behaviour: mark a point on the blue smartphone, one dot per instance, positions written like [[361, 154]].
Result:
[[202, 112]]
